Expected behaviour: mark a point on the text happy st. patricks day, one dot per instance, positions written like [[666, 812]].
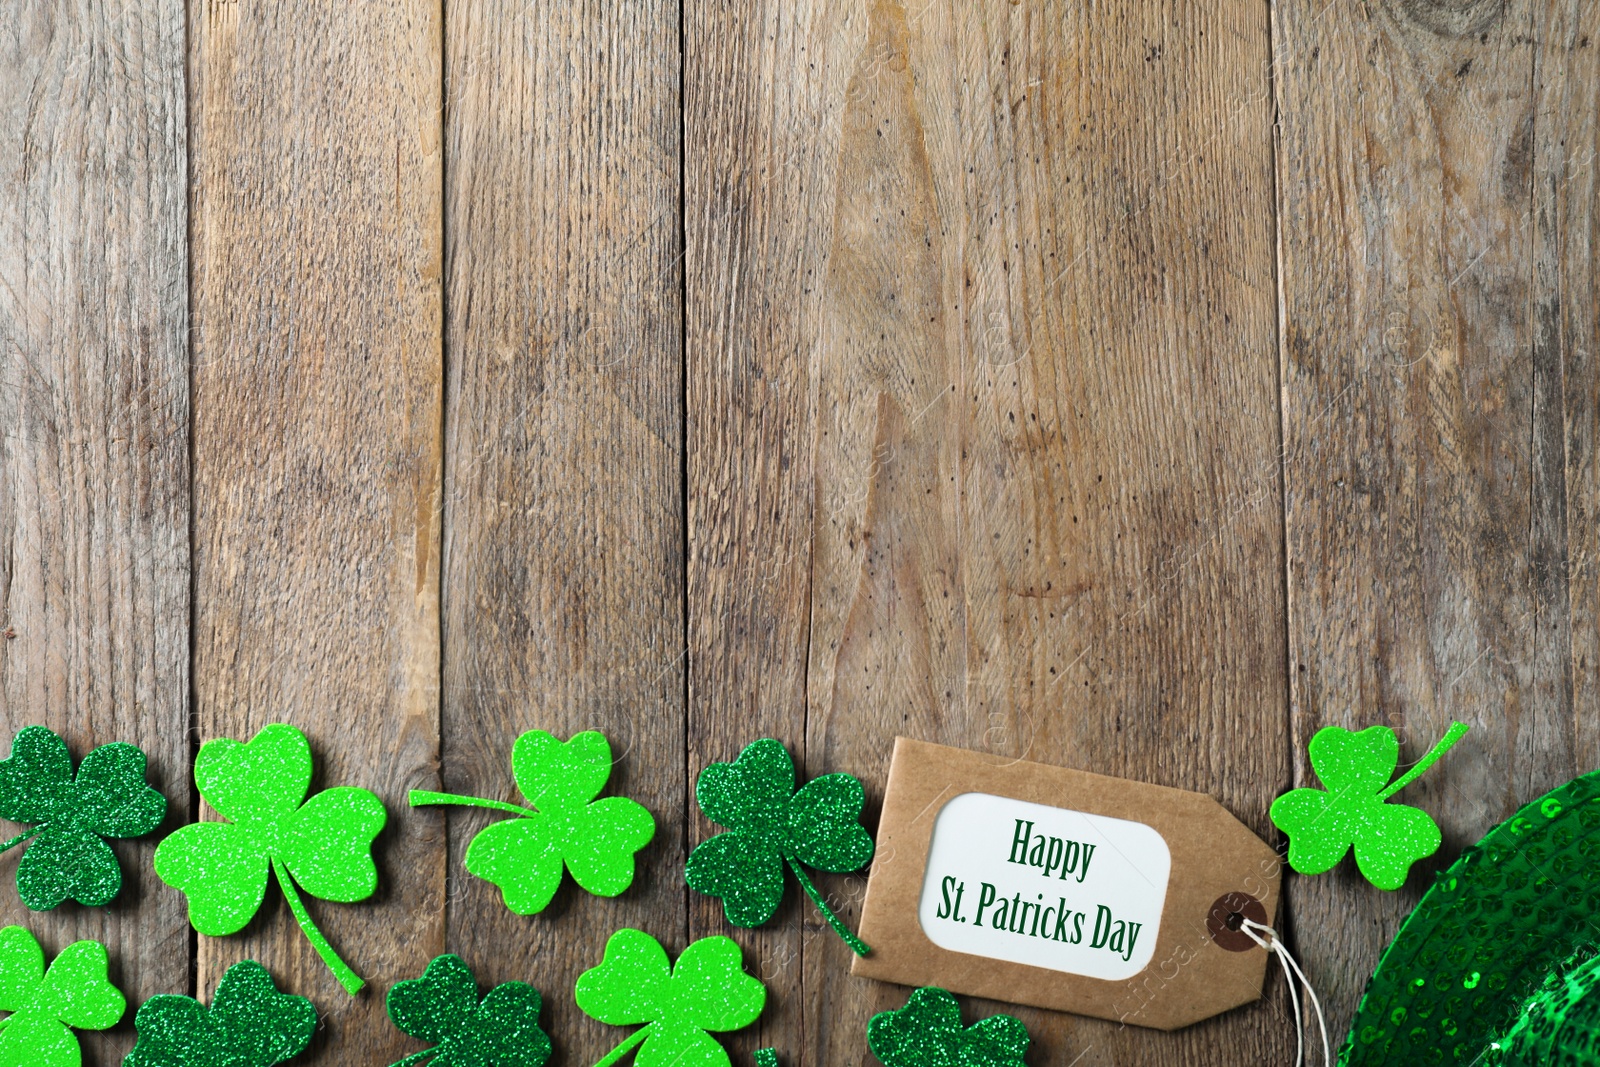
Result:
[[1054, 858]]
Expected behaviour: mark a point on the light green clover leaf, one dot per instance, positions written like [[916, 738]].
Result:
[[74, 992], [249, 1024], [323, 843], [1352, 812], [594, 839], [442, 1007], [706, 990], [71, 814], [769, 824], [927, 1032]]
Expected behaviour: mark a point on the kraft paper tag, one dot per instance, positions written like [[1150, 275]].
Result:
[[1064, 889]]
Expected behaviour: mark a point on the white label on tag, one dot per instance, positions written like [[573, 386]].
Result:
[[1050, 887]]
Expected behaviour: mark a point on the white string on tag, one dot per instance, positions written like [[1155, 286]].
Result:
[[1291, 970]]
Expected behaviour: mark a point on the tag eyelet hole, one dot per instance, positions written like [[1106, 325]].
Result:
[[1225, 920]]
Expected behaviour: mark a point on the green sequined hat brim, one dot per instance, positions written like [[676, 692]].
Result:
[[1559, 1026], [1513, 908]]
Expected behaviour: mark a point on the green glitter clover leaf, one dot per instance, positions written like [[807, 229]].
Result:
[[442, 1007], [70, 816], [707, 989], [594, 839], [74, 992], [1323, 826], [322, 843], [766, 1057], [768, 824], [249, 1024], [927, 1033]]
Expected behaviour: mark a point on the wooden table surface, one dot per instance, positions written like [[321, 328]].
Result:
[[1133, 385]]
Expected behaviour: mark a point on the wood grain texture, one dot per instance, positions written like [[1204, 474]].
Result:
[[1566, 333], [564, 554], [982, 406], [1429, 375], [317, 445], [763, 84], [94, 412], [1016, 390]]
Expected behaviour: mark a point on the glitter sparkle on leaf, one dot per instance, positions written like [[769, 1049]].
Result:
[[442, 1008], [249, 1024], [770, 824], [594, 839], [321, 844], [73, 992], [927, 1032], [1353, 813], [71, 814], [706, 990]]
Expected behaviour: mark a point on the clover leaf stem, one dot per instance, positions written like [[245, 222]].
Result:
[[416, 1057], [857, 946], [1451, 736], [19, 839], [351, 981], [627, 1046], [419, 797]]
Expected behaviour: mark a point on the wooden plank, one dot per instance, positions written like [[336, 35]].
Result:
[[317, 442], [564, 554], [982, 406], [1566, 336], [758, 94], [1425, 466], [94, 402]]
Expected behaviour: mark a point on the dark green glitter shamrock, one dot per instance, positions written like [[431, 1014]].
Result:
[[927, 1033], [707, 989], [249, 1024], [70, 815], [323, 843], [1323, 826], [74, 992], [594, 839], [769, 823], [442, 1007]]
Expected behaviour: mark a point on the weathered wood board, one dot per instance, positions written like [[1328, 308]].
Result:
[[983, 410], [317, 444], [94, 436], [1438, 317], [563, 565]]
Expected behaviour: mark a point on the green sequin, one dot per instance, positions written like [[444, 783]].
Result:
[[1558, 1026], [1499, 922]]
